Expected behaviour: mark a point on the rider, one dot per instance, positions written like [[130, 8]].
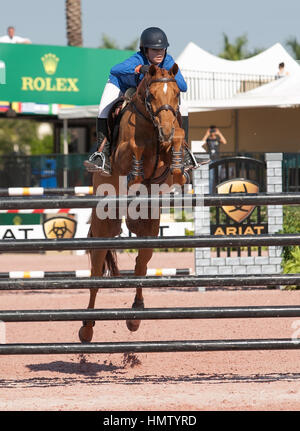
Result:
[[128, 74]]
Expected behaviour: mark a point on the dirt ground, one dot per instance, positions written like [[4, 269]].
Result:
[[218, 381]]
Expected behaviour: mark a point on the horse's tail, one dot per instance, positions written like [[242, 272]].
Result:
[[110, 265]]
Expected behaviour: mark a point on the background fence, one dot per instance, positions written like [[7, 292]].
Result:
[[44, 171], [49, 170], [219, 85]]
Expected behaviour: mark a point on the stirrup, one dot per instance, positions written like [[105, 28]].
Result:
[[189, 160], [97, 163]]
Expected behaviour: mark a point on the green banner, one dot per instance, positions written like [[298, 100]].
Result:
[[56, 74]]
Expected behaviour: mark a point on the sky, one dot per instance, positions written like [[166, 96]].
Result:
[[265, 22]]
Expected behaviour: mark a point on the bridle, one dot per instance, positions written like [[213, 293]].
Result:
[[152, 120], [165, 107]]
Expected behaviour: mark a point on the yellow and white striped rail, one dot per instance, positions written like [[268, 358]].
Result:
[[87, 273], [38, 191]]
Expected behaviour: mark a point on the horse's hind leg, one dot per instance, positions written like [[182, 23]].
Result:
[[97, 264]]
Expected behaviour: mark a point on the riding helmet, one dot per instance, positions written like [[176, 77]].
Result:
[[155, 38]]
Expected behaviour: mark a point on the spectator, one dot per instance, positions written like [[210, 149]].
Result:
[[12, 38], [213, 138], [281, 70]]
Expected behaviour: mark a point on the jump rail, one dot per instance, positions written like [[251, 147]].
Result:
[[13, 245], [147, 282], [177, 281], [188, 200], [149, 346], [87, 273], [149, 313], [38, 191]]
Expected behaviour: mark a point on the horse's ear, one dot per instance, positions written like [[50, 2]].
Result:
[[174, 69], [152, 70]]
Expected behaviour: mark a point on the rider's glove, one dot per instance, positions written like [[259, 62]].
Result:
[[142, 68]]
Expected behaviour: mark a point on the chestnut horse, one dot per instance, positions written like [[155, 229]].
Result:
[[148, 150]]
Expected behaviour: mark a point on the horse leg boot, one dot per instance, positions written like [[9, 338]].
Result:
[[136, 175], [99, 161], [177, 168]]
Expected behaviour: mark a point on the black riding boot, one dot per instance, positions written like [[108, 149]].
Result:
[[100, 160], [189, 160]]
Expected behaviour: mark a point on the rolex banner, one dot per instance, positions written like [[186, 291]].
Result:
[[56, 74]]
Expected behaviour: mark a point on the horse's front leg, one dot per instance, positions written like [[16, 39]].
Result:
[[136, 175], [97, 263], [177, 167], [146, 228]]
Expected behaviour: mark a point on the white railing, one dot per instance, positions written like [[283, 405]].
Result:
[[219, 85]]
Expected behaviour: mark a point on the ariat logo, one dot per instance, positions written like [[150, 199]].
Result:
[[238, 213], [59, 228], [50, 62]]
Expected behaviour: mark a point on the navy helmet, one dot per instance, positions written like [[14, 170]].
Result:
[[153, 37]]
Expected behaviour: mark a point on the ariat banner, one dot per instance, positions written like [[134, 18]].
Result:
[[55, 74], [238, 213], [59, 228]]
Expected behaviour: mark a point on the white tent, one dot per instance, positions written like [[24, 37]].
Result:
[[283, 93], [266, 63], [193, 58]]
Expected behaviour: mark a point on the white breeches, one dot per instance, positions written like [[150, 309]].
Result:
[[110, 95]]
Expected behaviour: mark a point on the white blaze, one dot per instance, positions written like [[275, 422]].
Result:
[[165, 88]]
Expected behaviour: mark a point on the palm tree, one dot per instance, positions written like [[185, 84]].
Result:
[[109, 43], [133, 46], [74, 26], [237, 50], [293, 44]]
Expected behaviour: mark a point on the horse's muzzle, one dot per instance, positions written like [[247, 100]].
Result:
[[165, 137]]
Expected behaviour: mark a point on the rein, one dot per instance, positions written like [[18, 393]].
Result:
[[152, 115]]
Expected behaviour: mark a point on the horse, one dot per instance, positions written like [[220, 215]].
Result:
[[148, 150]]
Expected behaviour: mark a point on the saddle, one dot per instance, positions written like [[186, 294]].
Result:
[[115, 115]]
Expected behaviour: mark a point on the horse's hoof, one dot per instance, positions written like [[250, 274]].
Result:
[[133, 325], [85, 334]]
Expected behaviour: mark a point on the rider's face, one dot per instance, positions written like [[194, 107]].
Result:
[[156, 56]]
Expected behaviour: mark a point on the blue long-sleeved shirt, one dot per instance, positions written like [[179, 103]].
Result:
[[123, 74]]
